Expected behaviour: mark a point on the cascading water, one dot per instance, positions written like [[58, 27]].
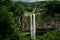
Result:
[[33, 25]]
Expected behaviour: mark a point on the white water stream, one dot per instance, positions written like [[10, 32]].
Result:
[[32, 26]]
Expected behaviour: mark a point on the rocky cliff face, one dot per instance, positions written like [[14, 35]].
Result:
[[51, 23]]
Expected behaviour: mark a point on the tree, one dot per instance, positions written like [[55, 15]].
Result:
[[50, 9], [18, 14], [8, 28]]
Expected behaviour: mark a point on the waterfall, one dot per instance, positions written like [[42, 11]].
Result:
[[32, 25]]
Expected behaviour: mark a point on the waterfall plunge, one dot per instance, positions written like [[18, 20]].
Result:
[[33, 25]]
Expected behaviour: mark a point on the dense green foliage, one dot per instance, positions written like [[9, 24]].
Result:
[[8, 27], [12, 11], [55, 35], [52, 8]]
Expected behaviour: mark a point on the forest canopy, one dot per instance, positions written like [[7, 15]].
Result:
[[12, 18]]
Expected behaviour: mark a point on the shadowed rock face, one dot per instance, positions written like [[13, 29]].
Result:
[[26, 22], [49, 25]]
